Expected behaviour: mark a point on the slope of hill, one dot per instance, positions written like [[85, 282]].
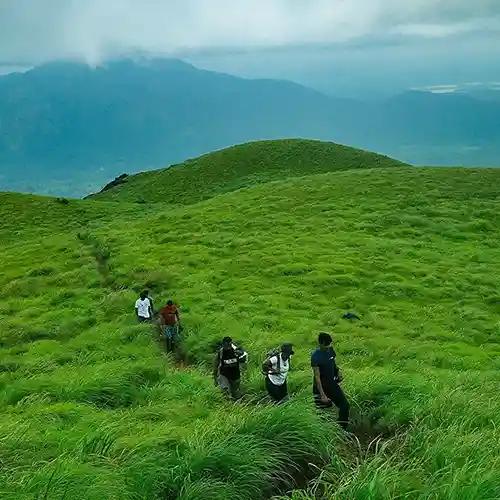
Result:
[[65, 128], [242, 166], [91, 409]]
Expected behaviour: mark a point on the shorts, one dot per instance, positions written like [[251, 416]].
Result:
[[171, 331]]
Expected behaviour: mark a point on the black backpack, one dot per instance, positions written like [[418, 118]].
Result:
[[240, 353], [271, 354]]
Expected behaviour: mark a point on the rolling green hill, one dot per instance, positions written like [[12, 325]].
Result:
[[91, 408], [242, 166]]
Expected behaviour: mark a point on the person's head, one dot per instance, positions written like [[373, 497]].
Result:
[[144, 294], [324, 340], [227, 343], [286, 350], [170, 302]]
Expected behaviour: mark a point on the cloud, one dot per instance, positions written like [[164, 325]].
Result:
[[33, 31]]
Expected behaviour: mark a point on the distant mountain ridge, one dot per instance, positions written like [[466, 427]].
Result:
[[69, 128]]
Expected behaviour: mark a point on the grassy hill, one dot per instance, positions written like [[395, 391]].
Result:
[[242, 166], [91, 408]]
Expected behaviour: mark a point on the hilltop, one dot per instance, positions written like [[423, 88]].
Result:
[[91, 407], [242, 166]]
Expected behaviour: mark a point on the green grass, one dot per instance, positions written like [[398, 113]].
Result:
[[242, 166], [92, 409]]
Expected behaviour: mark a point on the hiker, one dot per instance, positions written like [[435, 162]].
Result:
[[326, 389], [227, 367], [276, 368], [170, 324], [151, 302], [143, 307]]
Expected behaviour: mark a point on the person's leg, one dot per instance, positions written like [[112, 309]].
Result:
[[278, 393], [165, 337], [271, 389], [284, 392], [175, 336], [170, 333], [235, 388], [340, 401], [224, 385]]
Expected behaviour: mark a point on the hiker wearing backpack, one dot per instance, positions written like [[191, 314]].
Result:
[[170, 324], [227, 372], [144, 307], [326, 382], [276, 368]]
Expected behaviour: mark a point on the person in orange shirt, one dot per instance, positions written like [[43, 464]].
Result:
[[170, 323]]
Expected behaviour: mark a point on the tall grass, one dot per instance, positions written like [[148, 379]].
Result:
[[92, 408]]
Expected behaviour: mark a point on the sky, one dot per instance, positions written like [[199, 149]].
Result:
[[323, 43]]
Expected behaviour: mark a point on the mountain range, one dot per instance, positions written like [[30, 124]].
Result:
[[68, 128]]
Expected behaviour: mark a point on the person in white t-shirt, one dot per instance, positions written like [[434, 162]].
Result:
[[143, 307], [276, 368]]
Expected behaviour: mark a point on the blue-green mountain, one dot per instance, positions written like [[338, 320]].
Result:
[[67, 128]]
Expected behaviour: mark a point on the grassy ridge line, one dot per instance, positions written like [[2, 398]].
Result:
[[242, 166], [31, 216]]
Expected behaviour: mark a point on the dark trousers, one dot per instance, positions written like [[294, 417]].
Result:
[[229, 386], [337, 397], [277, 392]]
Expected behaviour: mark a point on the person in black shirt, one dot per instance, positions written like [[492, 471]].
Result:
[[227, 367], [326, 388]]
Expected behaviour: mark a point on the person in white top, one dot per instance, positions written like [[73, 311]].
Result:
[[143, 307], [276, 368]]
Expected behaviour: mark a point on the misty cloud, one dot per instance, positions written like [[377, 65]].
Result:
[[34, 31]]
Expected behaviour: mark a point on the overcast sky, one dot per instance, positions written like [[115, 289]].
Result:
[[240, 31], [41, 30]]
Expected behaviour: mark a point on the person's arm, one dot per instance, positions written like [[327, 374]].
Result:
[[267, 366], [336, 372], [273, 365], [242, 355], [216, 367], [136, 309], [319, 385], [161, 319]]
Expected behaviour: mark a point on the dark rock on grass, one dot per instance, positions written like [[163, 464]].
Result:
[[121, 179], [351, 316]]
